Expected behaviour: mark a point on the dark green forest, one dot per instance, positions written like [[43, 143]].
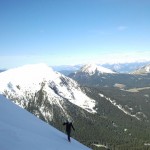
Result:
[[109, 126]]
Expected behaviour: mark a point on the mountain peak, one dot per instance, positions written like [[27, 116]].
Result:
[[24, 82], [93, 68], [27, 75], [143, 70]]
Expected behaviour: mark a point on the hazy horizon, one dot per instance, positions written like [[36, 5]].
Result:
[[73, 32]]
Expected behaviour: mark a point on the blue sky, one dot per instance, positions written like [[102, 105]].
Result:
[[61, 32]]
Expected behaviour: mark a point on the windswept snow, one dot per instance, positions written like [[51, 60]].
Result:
[[20, 130], [27, 76]]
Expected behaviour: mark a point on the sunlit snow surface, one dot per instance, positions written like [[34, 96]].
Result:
[[29, 78], [20, 130], [92, 68]]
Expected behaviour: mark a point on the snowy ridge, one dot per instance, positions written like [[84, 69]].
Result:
[[93, 68], [122, 109], [23, 82], [20, 130]]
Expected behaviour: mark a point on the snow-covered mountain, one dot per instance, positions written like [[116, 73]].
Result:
[[93, 74], [20, 130], [125, 67], [93, 68], [39, 89], [143, 70]]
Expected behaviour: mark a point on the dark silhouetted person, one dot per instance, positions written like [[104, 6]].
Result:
[[68, 125]]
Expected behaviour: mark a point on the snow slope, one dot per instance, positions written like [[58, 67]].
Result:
[[93, 68], [20, 130]]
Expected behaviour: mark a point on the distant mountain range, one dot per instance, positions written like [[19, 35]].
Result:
[[101, 78], [119, 67], [107, 108], [126, 67], [142, 70], [66, 69]]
